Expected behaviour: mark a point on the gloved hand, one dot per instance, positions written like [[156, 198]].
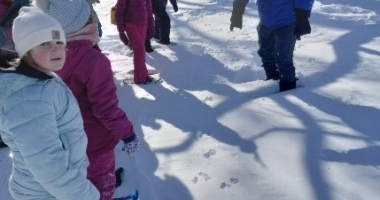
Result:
[[302, 26], [175, 7], [236, 19], [131, 145], [123, 37], [148, 46]]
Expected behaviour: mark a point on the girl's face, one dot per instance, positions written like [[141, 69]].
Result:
[[49, 56]]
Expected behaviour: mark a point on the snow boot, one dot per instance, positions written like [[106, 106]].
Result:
[[285, 86], [119, 173], [134, 195], [271, 72]]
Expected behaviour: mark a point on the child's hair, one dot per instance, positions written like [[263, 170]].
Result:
[[92, 18]]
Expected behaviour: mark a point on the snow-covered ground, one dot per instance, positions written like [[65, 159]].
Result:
[[215, 130]]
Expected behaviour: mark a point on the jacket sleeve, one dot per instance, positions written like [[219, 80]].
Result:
[[101, 91], [304, 4], [173, 2], [120, 15], [36, 136]]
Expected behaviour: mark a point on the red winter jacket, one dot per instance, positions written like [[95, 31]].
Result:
[[87, 72], [138, 12]]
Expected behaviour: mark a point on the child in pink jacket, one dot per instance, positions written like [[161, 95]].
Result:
[[87, 72], [135, 17]]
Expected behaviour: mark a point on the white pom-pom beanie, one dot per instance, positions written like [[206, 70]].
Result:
[[71, 14], [32, 27]]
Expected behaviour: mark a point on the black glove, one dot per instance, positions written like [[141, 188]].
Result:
[[302, 26], [123, 37], [237, 15], [175, 7], [148, 46]]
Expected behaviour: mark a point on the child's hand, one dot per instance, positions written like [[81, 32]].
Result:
[[131, 145], [302, 26], [123, 37], [175, 7]]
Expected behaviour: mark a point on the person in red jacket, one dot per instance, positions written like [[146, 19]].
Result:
[[87, 72], [135, 24]]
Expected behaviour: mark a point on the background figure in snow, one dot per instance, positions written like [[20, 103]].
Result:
[[282, 22], [8, 12], [162, 20], [135, 18], [40, 119], [88, 74]]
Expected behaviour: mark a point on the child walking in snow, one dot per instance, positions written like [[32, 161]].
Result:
[[282, 22], [162, 20], [135, 18], [89, 75], [40, 119]]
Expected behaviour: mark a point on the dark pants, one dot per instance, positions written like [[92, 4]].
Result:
[[162, 26], [276, 48]]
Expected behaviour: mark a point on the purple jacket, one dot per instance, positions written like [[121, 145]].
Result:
[[137, 12], [88, 74]]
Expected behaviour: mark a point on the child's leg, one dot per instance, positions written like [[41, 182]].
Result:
[[157, 27], [164, 28], [101, 173], [137, 35], [284, 47], [266, 51]]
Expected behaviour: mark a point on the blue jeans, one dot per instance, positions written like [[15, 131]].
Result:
[[276, 48]]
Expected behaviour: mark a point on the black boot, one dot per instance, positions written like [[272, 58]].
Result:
[[119, 173], [272, 73], [148, 46], [285, 86]]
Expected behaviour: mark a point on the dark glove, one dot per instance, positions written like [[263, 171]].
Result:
[[148, 46], [123, 37], [302, 26], [175, 7], [131, 145], [236, 19]]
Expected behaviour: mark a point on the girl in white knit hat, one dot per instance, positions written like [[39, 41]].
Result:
[[40, 119]]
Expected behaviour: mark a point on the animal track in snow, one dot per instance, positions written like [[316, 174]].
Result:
[[209, 153], [205, 176], [228, 185]]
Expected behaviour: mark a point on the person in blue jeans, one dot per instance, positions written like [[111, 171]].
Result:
[[162, 20], [282, 22]]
